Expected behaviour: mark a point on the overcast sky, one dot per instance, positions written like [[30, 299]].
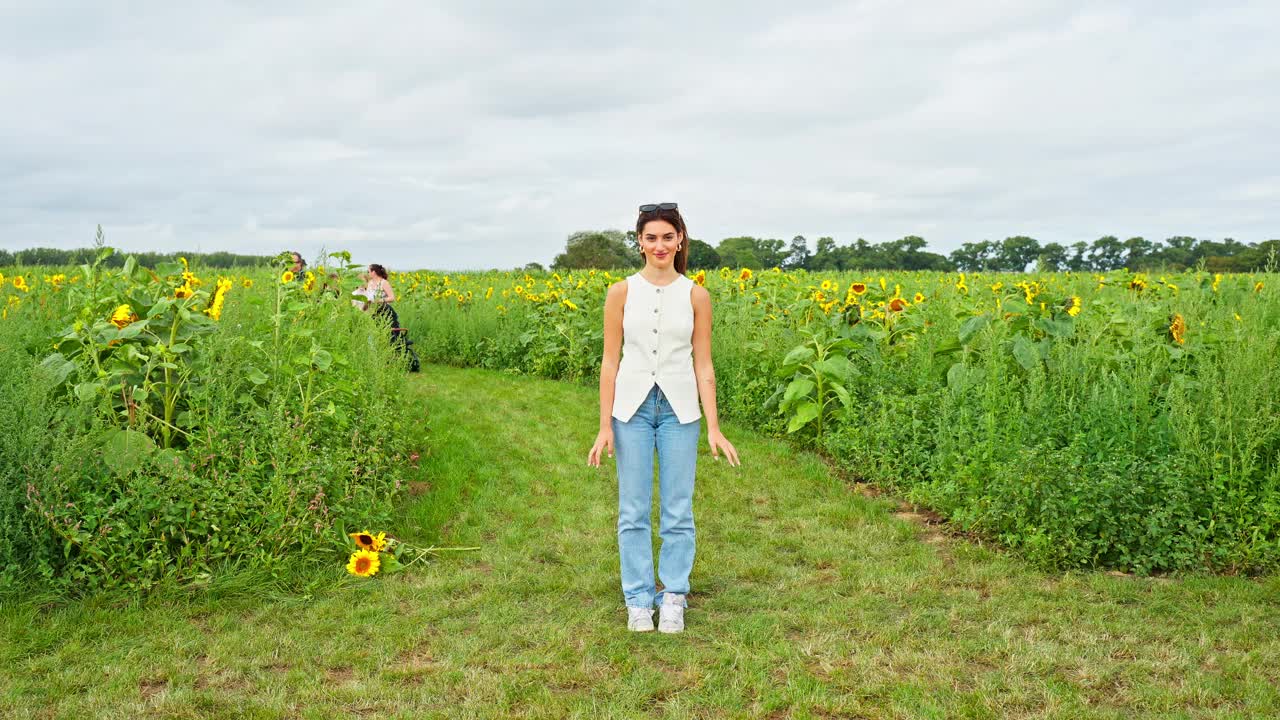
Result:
[[474, 135]]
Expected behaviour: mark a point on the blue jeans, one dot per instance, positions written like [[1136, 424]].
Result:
[[655, 425]]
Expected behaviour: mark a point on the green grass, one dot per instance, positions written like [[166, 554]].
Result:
[[810, 599]]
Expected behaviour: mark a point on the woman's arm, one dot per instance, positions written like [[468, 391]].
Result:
[[388, 294], [613, 304], [705, 372]]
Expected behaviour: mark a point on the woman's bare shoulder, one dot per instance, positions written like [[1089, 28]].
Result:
[[617, 291]]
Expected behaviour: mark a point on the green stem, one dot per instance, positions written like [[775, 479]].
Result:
[[170, 392]]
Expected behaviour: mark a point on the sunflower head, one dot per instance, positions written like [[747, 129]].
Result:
[[745, 275], [123, 316], [897, 305], [919, 298], [364, 563], [364, 539], [858, 288], [286, 277], [1178, 329]]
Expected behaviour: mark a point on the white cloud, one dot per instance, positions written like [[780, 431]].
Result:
[[453, 135]]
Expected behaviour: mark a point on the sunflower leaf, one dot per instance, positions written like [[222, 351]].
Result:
[[804, 415], [971, 328], [799, 388], [798, 356], [126, 450], [1025, 353]]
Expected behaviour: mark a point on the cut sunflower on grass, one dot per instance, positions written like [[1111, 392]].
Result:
[[376, 552]]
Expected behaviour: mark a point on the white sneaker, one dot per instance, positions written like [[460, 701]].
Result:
[[639, 619], [671, 616]]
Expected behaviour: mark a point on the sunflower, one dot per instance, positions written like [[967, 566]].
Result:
[[858, 288], [1073, 305], [1257, 287], [1138, 284], [368, 541], [246, 283], [827, 286], [20, 283], [745, 275], [1217, 279], [569, 304], [364, 563], [1178, 329], [123, 316], [919, 298], [997, 287], [897, 305], [310, 282], [183, 291], [286, 277], [700, 277]]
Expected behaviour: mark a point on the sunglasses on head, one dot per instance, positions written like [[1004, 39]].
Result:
[[658, 206]]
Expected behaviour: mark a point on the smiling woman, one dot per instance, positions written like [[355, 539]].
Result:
[[655, 367]]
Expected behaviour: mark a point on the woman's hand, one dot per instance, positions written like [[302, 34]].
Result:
[[604, 441], [719, 443]]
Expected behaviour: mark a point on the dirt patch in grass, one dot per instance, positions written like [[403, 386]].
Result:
[[149, 687]]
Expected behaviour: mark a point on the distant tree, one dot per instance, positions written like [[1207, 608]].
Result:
[[59, 257], [858, 255], [1015, 253], [1106, 253], [1178, 252], [740, 252], [702, 256], [1138, 252], [1052, 258], [908, 253], [798, 254], [826, 257], [1079, 259], [973, 257], [604, 249], [534, 267]]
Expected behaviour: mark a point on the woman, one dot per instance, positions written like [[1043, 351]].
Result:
[[659, 321], [378, 292]]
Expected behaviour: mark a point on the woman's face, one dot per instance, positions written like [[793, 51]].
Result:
[[659, 241]]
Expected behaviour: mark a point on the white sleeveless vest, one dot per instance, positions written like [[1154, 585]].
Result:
[[657, 348]]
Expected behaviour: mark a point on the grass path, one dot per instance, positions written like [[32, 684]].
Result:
[[809, 600]]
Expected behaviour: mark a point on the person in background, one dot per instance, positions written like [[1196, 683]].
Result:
[[378, 294]]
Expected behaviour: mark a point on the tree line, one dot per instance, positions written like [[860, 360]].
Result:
[[80, 256], [618, 249]]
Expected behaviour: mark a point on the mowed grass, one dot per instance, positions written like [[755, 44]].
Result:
[[810, 599]]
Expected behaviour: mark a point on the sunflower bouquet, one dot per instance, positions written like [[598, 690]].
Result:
[[375, 552]]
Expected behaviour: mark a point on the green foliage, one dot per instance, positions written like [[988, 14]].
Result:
[[189, 435], [604, 249], [1057, 414]]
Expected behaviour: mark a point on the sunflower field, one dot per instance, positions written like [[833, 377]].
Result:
[[1120, 420], [157, 424]]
